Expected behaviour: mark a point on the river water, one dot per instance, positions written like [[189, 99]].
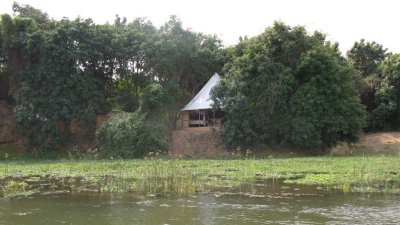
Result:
[[207, 209]]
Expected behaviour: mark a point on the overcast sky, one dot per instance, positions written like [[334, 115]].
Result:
[[344, 21]]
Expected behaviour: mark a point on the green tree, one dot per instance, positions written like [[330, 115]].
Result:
[[386, 116], [253, 97], [27, 11], [256, 91], [174, 54], [63, 76], [59, 71], [287, 44], [366, 58], [288, 87], [325, 108], [177, 56], [130, 76]]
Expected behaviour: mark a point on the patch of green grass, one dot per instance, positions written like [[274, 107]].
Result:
[[186, 177], [10, 153]]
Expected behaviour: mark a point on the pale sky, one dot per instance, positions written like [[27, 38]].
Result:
[[344, 21]]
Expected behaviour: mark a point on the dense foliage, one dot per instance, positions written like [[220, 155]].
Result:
[[386, 115], [284, 87], [379, 84], [131, 135], [325, 107], [146, 130], [288, 87], [60, 71]]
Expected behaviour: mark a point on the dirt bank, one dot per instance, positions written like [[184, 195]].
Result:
[[381, 141]]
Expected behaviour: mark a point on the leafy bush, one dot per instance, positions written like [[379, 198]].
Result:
[[132, 135]]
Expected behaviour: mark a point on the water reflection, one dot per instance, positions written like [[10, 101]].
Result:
[[106, 209]]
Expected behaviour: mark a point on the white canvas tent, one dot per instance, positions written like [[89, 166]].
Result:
[[198, 113], [203, 99]]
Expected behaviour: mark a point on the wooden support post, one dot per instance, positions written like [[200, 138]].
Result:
[[185, 119]]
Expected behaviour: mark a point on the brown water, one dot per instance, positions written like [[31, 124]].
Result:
[[208, 209]]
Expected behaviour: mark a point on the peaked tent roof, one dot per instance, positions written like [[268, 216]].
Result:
[[202, 99]]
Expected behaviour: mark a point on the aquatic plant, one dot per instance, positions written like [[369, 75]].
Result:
[[187, 177]]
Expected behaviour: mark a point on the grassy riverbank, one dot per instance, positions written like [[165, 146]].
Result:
[[186, 177]]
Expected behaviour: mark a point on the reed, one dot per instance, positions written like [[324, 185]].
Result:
[[188, 177]]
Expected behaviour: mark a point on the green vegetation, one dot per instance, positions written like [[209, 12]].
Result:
[[55, 72], [378, 74], [285, 87], [186, 177], [132, 135], [387, 97]]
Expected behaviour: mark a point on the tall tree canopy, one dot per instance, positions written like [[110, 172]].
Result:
[[182, 56], [27, 11], [325, 108], [288, 87], [378, 72], [65, 77], [58, 71], [366, 57], [386, 115]]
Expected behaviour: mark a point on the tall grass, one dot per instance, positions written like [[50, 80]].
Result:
[[188, 177]]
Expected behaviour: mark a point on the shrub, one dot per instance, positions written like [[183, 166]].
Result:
[[132, 135]]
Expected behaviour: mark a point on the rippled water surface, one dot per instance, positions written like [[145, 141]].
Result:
[[101, 209]]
